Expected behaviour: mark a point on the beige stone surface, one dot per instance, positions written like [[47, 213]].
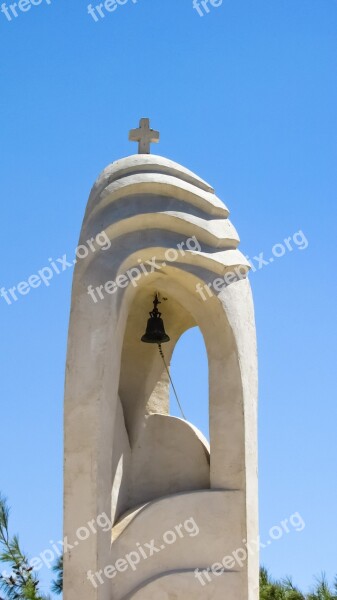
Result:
[[208, 508], [184, 585], [175, 467], [121, 446]]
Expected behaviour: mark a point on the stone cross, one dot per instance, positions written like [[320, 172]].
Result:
[[144, 136]]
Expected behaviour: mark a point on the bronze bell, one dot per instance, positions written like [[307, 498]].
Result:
[[155, 330]]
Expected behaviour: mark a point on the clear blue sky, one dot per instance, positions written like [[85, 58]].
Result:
[[246, 96]]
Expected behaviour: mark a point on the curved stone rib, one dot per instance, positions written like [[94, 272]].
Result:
[[144, 164], [163, 185], [133, 514], [218, 233], [172, 580], [218, 263]]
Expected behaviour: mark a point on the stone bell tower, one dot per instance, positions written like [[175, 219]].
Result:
[[178, 505]]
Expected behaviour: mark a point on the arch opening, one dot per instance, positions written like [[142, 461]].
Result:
[[162, 454], [190, 374]]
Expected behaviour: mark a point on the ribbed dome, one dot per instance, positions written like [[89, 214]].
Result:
[[147, 168], [146, 193]]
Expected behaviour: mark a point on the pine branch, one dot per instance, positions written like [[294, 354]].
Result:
[[57, 584], [21, 583]]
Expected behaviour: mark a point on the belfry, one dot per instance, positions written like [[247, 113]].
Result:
[[179, 506]]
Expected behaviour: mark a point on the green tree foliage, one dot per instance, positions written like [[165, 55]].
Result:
[[17, 581], [57, 585], [277, 590], [322, 590], [271, 589]]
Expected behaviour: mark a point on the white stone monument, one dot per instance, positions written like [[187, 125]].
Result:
[[178, 506]]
